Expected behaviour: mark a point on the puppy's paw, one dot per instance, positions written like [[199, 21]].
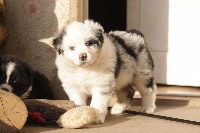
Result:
[[117, 109], [148, 103], [148, 110], [100, 119]]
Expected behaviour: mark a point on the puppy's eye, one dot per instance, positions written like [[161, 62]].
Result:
[[91, 42], [14, 81], [71, 48]]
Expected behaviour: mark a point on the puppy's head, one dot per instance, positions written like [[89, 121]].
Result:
[[15, 76], [80, 43]]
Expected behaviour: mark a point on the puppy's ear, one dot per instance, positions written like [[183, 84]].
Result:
[[99, 34], [57, 41], [96, 28]]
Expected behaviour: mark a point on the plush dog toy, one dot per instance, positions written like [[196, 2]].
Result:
[[78, 117]]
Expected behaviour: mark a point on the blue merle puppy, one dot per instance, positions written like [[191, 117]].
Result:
[[93, 63]]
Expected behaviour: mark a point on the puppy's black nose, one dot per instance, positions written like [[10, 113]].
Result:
[[83, 56]]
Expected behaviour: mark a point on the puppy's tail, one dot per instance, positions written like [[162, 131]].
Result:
[[134, 31], [131, 37]]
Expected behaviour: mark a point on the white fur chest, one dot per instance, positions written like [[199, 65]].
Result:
[[83, 78]]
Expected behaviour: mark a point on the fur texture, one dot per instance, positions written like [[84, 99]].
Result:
[[93, 63], [18, 77]]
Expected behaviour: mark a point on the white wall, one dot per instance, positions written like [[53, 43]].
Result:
[[171, 28]]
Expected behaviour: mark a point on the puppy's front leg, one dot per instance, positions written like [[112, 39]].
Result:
[[100, 101], [78, 97]]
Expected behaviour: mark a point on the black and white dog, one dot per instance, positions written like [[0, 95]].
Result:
[[17, 77], [93, 63]]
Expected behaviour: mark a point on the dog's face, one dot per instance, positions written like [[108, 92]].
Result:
[[15, 76], [80, 43]]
